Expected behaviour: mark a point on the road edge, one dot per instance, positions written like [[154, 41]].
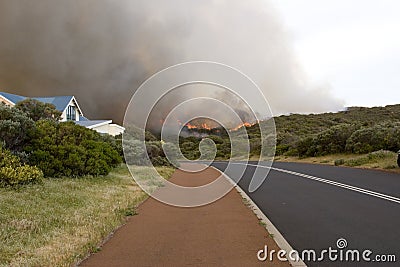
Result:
[[277, 236]]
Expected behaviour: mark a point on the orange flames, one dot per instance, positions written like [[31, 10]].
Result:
[[206, 126], [246, 124], [201, 126]]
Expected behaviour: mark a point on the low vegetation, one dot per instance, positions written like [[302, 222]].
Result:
[[383, 160], [13, 173], [355, 131], [139, 152], [35, 144], [58, 222], [66, 149]]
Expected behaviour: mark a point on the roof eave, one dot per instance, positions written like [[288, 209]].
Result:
[[99, 124]]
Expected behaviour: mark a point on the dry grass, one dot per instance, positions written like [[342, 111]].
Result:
[[59, 222], [381, 160]]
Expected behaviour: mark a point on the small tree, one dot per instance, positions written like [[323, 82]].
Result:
[[37, 110], [15, 128]]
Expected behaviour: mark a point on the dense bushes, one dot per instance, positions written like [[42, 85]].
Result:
[[382, 136], [34, 136], [331, 141], [66, 149], [15, 128], [357, 130], [13, 173], [388, 159], [191, 148], [348, 138], [140, 152], [37, 110]]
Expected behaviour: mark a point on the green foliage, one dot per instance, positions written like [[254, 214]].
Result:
[[37, 110], [66, 149], [381, 136], [7, 159], [330, 141], [328, 133], [139, 153], [192, 149], [355, 130], [173, 153], [339, 162], [135, 152], [15, 128], [372, 157], [13, 173]]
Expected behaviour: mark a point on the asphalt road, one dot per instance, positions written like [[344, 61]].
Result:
[[311, 214]]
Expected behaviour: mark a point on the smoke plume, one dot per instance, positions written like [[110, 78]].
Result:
[[102, 50]]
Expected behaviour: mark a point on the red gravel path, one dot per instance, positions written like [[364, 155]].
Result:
[[224, 233]]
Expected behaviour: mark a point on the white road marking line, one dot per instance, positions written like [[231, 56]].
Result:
[[322, 180]]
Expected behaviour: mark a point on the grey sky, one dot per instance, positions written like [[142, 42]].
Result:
[[305, 55], [353, 46]]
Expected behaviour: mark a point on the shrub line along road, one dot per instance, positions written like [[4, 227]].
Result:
[[315, 205]]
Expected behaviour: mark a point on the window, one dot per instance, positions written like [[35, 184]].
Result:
[[71, 113]]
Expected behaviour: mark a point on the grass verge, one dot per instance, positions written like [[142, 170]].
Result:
[[381, 160], [60, 221]]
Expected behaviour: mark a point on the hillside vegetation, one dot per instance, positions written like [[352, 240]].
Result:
[[357, 130]]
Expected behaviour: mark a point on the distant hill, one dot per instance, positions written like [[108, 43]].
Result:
[[355, 130], [301, 125]]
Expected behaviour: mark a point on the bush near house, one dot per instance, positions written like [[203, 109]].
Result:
[[66, 149], [16, 128], [32, 134], [13, 173], [37, 110]]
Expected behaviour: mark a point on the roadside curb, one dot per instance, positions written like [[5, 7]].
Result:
[[277, 236]]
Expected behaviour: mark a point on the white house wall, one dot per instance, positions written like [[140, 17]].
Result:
[[111, 129], [115, 129], [77, 112]]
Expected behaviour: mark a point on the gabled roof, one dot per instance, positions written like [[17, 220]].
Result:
[[60, 102], [83, 118], [13, 98]]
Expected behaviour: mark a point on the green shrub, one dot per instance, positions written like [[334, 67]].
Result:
[[12, 173], [160, 161], [339, 162], [380, 136], [66, 149], [37, 110], [135, 152], [357, 161], [15, 128], [7, 159]]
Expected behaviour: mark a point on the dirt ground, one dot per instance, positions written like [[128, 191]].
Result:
[[224, 233]]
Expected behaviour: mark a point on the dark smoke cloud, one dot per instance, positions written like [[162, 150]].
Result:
[[102, 50]]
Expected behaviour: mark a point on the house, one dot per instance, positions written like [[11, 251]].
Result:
[[70, 112]]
